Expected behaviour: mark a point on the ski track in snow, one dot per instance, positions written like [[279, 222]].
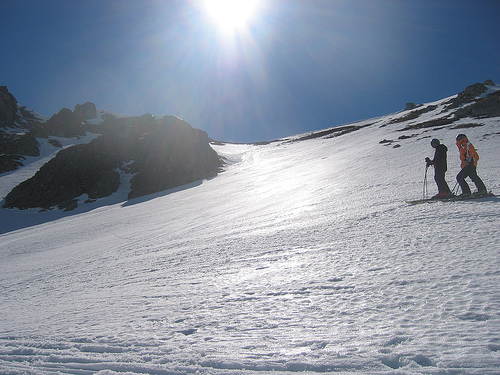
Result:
[[300, 257]]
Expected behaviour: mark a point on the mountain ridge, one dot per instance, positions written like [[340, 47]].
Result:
[[149, 153], [103, 176]]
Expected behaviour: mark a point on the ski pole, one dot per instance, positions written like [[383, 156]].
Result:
[[424, 190]]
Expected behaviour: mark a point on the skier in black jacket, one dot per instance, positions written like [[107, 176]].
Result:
[[440, 168]]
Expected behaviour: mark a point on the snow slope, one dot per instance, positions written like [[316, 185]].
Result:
[[301, 257]]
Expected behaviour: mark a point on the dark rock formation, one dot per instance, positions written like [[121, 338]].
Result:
[[468, 95], [78, 170], [413, 114], [434, 123], [482, 108], [65, 123], [472, 92], [173, 154], [8, 108], [330, 133], [475, 104], [19, 144], [86, 111], [410, 106], [162, 154], [16, 138], [13, 148], [14, 116], [10, 162]]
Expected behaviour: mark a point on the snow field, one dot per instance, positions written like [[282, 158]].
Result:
[[300, 257]]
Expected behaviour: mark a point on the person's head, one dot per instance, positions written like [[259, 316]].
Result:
[[461, 136], [435, 142]]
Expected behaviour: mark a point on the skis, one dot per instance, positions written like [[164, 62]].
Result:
[[452, 198]]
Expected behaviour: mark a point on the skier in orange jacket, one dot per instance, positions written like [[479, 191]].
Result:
[[469, 158]]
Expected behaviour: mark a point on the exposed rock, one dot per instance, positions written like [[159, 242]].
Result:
[[413, 114], [467, 126], [75, 171], [107, 183], [471, 92], [55, 143], [68, 205], [163, 154], [86, 111], [431, 123], [482, 108], [64, 124], [27, 145], [471, 102], [10, 162], [19, 144], [17, 137], [406, 136], [410, 106], [13, 146], [489, 82], [173, 154], [331, 133], [468, 95], [13, 116], [8, 108]]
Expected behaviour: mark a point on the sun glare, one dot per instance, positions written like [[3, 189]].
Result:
[[231, 15]]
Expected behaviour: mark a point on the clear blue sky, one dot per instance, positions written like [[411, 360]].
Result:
[[299, 65]]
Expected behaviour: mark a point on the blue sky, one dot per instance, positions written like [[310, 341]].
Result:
[[298, 66]]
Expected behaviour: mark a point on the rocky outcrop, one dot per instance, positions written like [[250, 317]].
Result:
[[10, 162], [161, 154], [16, 137], [476, 102], [488, 106], [8, 108], [173, 154], [20, 126], [471, 94], [14, 117], [86, 111], [20, 144], [65, 123], [410, 106], [75, 171]]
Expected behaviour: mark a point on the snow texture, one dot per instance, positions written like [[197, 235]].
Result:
[[302, 256]]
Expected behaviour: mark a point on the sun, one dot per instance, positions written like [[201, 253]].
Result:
[[231, 15]]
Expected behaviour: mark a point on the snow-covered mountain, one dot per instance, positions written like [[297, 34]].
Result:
[[144, 154], [302, 256]]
